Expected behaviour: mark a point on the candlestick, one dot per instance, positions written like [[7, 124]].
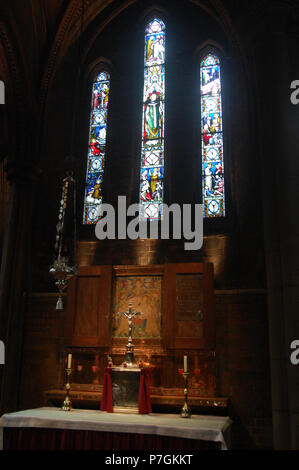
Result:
[[186, 411], [185, 363], [67, 405], [69, 361]]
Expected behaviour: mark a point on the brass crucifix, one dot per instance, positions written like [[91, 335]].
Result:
[[129, 358]]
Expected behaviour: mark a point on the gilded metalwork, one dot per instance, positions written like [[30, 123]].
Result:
[[186, 411], [67, 404], [129, 357]]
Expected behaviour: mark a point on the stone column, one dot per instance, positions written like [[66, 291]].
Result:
[[15, 278], [278, 125]]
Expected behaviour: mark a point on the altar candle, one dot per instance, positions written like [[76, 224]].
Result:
[[69, 361], [185, 363]]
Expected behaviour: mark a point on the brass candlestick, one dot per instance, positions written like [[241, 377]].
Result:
[[67, 404], [186, 411]]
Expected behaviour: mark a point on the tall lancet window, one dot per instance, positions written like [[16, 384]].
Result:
[[212, 138], [96, 148], [152, 148]]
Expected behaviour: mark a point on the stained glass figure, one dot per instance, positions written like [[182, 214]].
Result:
[[152, 151], [211, 138], [96, 148]]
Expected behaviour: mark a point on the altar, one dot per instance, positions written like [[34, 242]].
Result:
[[50, 428], [167, 311]]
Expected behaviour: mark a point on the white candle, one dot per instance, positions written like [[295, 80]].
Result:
[[69, 361], [185, 363]]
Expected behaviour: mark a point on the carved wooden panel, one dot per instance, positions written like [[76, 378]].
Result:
[[188, 306], [88, 307]]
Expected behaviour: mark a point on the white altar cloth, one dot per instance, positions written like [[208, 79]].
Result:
[[200, 427]]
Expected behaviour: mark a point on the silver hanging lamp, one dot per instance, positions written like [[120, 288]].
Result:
[[62, 268]]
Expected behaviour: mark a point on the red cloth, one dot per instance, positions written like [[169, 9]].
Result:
[[107, 399], [144, 401], [71, 439]]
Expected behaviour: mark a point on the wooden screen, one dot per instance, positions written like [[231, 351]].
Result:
[[176, 301]]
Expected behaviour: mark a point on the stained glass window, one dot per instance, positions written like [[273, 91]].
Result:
[[96, 148], [212, 138], [152, 148]]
